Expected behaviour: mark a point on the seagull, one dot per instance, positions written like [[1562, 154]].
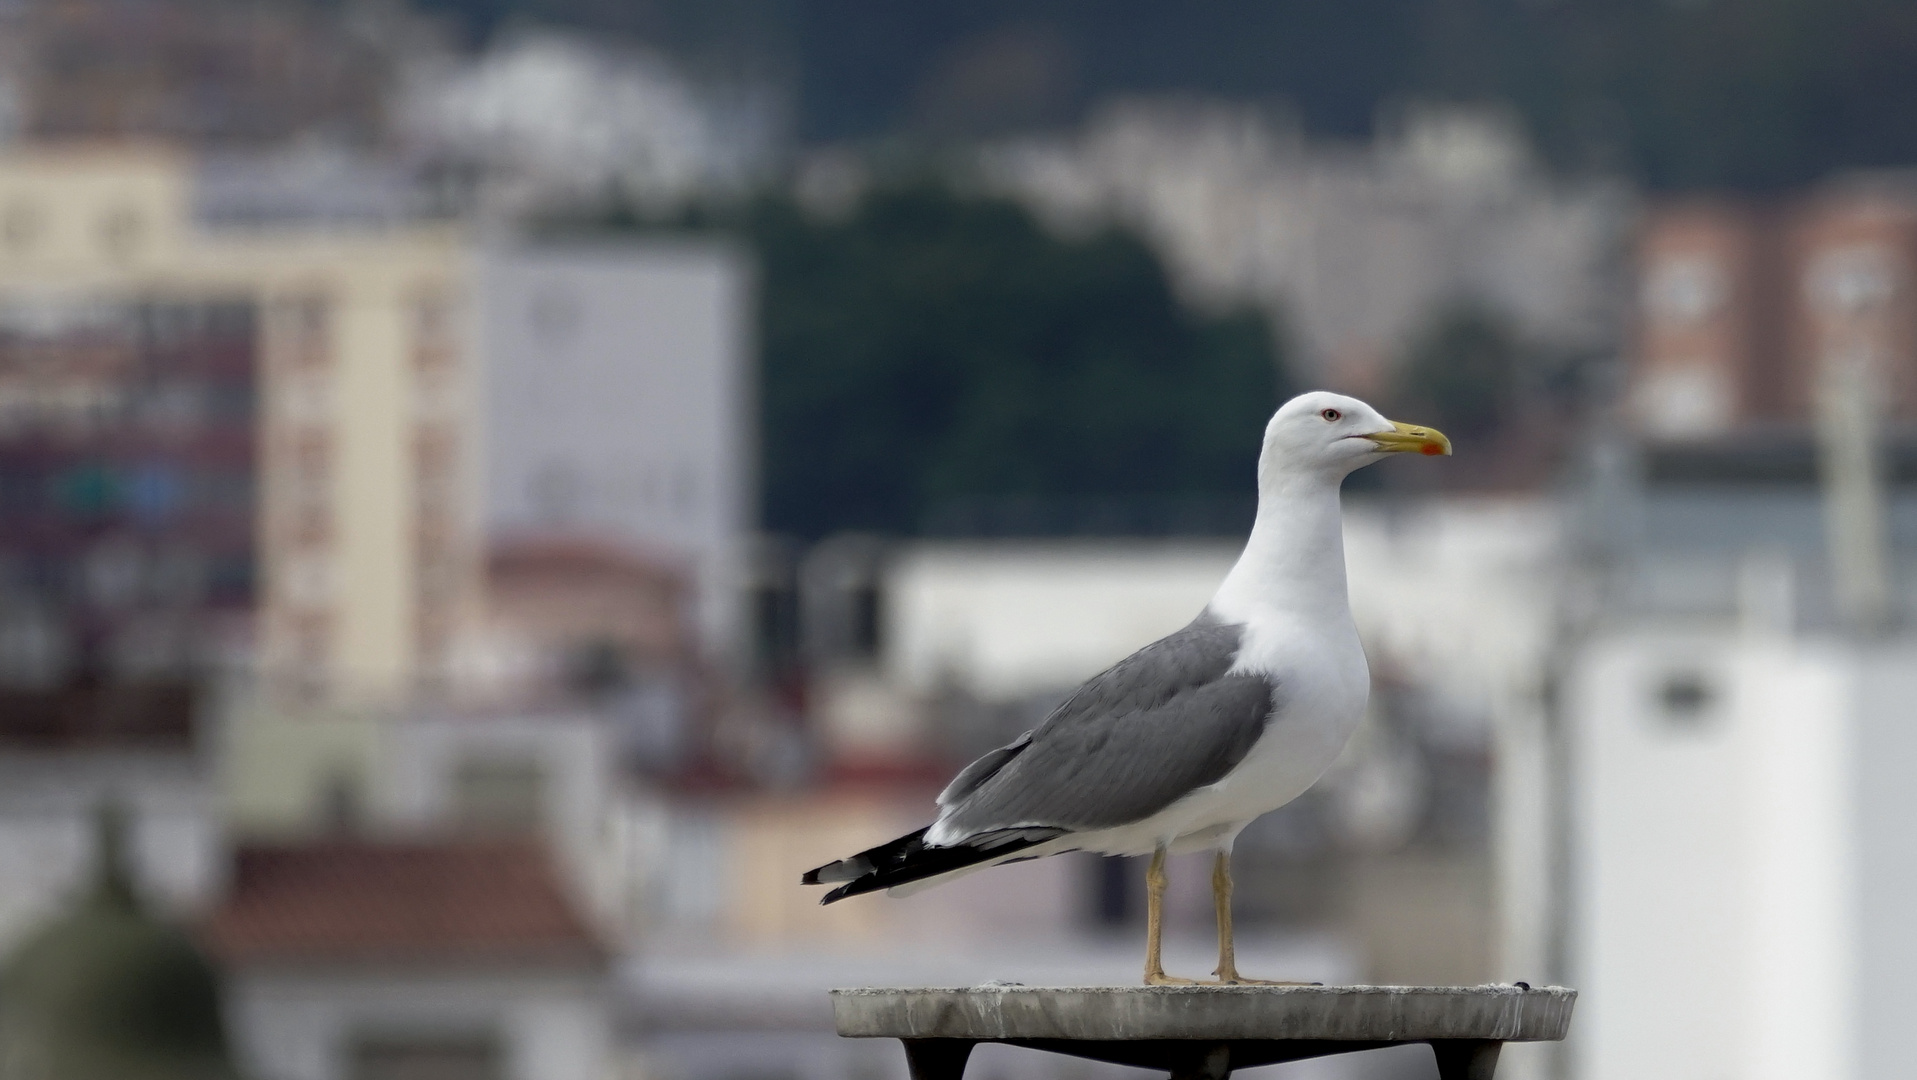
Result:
[[1182, 744]]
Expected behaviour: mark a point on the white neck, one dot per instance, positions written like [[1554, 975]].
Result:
[[1294, 562]]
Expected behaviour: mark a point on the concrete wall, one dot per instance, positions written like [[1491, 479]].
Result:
[[1010, 618], [1741, 823], [576, 761], [1455, 592], [619, 390], [48, 829], [279, 767], [1884, 748], [298, 1024]]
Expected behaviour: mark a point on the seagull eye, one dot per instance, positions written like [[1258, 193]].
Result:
[[1332, 415]]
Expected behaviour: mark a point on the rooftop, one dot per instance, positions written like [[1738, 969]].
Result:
[[361, 901], [563, 554]]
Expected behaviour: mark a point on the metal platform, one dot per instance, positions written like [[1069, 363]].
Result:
[[1195, 1032]]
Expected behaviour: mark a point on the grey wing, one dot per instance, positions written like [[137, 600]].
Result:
[[1161, 723], [978, 772]]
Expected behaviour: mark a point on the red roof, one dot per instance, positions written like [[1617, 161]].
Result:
[[357, 900], [553, 552]]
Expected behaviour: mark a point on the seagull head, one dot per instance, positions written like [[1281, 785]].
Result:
[[1326, 436]]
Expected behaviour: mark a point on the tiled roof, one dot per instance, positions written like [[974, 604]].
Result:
[[361, 900], [558, 553]]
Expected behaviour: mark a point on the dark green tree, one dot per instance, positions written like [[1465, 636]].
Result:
[[104, 991], [1462, 371], [933, 347]]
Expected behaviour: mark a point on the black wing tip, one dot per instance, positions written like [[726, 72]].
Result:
[[907, 859], [843, 891], [857, 867], [838, 870]]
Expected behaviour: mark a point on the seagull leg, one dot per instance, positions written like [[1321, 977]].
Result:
[[1154, 924], [1221, 899], [1227, 952]]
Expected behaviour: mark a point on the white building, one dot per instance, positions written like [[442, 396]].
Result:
[[1353, 247], [55, 782], [549, 118], [557, 777], [1742, 809], [618, 405], [352, 960], [1454, 592], [554, 777], [1005, 619], [1735, 858]]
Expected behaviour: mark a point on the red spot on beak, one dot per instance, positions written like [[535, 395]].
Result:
[[1431, 450]]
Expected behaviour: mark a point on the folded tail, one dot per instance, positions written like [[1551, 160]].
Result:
[[908, 859]]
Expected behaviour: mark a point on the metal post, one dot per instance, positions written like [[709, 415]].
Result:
[[937, 1059], [1466, 1059], [1850, 399], [1212, 1063]]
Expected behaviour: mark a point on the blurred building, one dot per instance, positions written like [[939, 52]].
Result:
[[1734, 748], [1731, 721], [356, 960], [427, 890], [1742, 807], [1744, 309], [129, 464], [66, 757], [1354, 249], [590, 624], [1007, 620], [270, 420], [618, 397], [551, 775], [543, 119], [279, 420], [243, 542], [201, 71]]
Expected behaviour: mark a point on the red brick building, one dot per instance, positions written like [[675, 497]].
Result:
[[1743, 307]]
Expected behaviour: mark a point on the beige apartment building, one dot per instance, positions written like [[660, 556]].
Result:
[[366, 560]]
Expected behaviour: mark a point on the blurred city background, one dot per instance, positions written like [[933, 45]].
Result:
[[490, 490]]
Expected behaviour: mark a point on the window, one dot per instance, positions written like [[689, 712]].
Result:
[[307, 579], [498, 794], [426, 1057], [122, 231], [1685, 289], [1851, 280], [341, 803], [20, 226], [306, 396], [1685, 699], [866, 617]]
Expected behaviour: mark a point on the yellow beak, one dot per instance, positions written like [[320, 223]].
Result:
[[1406, 437]]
